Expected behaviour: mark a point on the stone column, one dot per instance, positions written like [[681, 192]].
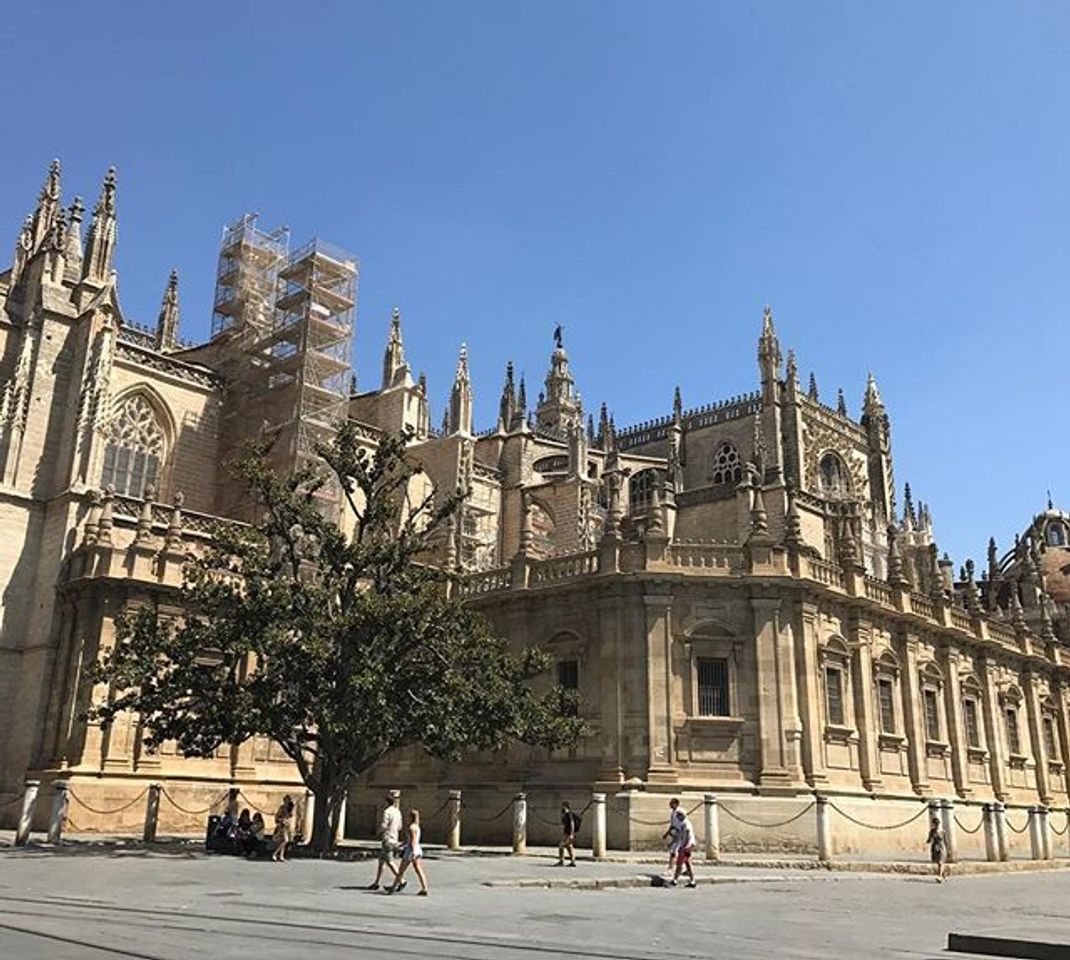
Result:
[[29, 800], [453, 821], [58, 820], [340, 825], [152, 813], [947, 823], [713, 827], [994, 734], [956, 733], [598, 833], [864, 700], [824, 830], [1036, 841], [999, 816], [809, 695], [991, 840], [659, 686], [913, 719], [308, 817], [232, 801], [1045, 833], [520, 823], [778, 720], [1059, 692]]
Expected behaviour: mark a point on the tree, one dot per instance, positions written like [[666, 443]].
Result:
[[342, 648]]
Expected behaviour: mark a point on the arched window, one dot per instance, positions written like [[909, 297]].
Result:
[[834, 479], [641, 489], [135, 448], [1056, 534], [727, 467]]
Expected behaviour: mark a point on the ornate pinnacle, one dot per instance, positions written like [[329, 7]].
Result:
[[841, 404], [813, 386], [896, 576]]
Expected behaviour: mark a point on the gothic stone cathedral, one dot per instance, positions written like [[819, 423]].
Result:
[[733, 588]]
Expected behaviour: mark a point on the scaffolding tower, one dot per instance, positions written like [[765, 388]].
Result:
[[247, 275], [306, 354]]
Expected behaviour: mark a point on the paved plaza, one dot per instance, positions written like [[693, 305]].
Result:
[[92, 902]]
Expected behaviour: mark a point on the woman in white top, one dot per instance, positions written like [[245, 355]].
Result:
[[412, 853]]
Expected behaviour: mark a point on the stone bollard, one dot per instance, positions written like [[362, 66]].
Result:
[[598, 831], [1045, 833], [453, 821], [340, 823], [308, 817], [999, 815], [947, 823], [1036, 844], [988, 815], [520, 823], [824, 830], [152, 813], [58, 821], [710, 812], [232, 801], [29, 800]]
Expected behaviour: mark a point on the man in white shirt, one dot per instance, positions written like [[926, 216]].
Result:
[[685, 839], [389, 837]]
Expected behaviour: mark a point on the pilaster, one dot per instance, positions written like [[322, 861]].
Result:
[[913, 718], [809, 694], [862, 676], [994, 731], [659, 687], [1036, 735], [779, 730], [956, 733]]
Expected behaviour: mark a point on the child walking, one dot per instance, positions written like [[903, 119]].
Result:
[[412, 853]]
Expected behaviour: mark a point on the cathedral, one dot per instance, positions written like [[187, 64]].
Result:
[[736, 591]]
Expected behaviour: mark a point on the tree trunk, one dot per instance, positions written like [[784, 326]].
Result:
[[328, 809]]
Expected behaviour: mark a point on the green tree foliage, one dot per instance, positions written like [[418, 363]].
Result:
[[340, 648]]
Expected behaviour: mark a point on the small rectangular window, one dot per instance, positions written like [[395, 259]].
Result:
[[969, 712], [568, 677], [713, 687], [886, 698], [932, 714], [1013, 740], [834, 695], [1050, 744]]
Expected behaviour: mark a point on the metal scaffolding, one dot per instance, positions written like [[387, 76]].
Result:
[[246, 275], [291, 316]]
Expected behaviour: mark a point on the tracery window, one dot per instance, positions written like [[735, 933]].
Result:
[[641, 490], [135, 448], [834, 479], [727, 467]]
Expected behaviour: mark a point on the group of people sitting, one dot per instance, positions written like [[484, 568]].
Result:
[[242, 834]]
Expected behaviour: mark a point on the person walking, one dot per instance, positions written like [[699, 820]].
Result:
[[570, 824], [284, 829], [937, 844], [672, 834], [685, 844], [411, 854], [389, 838]]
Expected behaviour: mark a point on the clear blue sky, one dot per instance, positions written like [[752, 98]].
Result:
[[892, 178]]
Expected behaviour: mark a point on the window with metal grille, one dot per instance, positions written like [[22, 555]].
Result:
[[886, 699], [1013, 740], [713, 687], [568, 677], [1049, 738], [973, 732], [834, 695], [932, 714]]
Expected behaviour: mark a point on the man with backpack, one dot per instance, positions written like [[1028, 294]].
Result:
[[570, 825]]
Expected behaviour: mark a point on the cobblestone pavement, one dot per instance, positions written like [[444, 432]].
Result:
[[103, 901]]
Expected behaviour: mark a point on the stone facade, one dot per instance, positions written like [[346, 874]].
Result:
[[734, 589]]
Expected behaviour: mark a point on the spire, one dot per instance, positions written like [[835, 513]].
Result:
[[813, 386], [896, 576], [520, 413], [677, 406], [507, 404], [44, 217], [167, 322], [841, 404], [559, 408], [590, 429], [395, 369], [793, 534], [73, 253], [872, 403], [993, 561], [603, 427], [759, 519], [100, 248], [460, 412], [909, 517], [768, 348]]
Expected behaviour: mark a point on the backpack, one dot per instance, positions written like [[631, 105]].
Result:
[[577, 822]]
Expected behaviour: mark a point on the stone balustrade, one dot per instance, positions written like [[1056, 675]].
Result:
[[567, 567], [725, 557]]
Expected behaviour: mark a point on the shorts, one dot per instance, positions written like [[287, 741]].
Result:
[[388, 850], [683, 856], [936, 855]]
